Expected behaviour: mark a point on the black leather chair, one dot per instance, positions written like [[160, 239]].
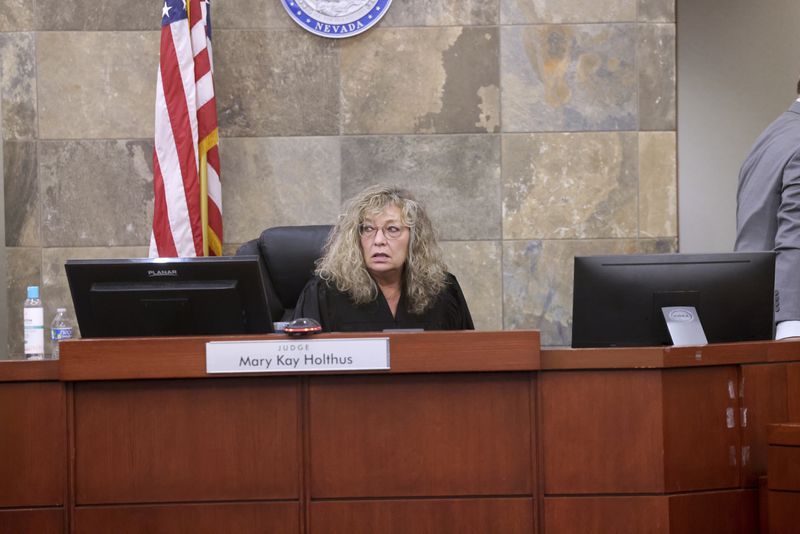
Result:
[[288, 253]]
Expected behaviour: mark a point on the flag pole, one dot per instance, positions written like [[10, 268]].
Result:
[[204, 199]]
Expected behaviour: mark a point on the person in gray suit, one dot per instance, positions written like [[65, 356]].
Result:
[[768, 211]]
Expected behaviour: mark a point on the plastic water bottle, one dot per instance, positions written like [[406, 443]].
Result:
[[60, 329], [33, 320]]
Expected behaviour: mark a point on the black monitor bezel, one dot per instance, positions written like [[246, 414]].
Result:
[[600, 296], [247, 271]]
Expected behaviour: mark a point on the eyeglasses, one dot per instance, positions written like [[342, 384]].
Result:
[[390, 231]]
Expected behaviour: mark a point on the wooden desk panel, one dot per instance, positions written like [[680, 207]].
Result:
[[184, 357], [439, 516], [639, 431], [702, 443], [606, 515], [36, 521], [763, 394], [187, 440], [29, 371], [727, 512], [33, 444], [448, 441], [784, 517], [459, 434], [783, 478], [784, 468], [242, 518], [602, 431], [793, 390], [784, 457], [717, 512]]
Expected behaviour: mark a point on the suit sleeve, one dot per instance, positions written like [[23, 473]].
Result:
[[787, 245]]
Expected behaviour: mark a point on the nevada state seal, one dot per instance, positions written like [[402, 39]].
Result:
[[336, 18]]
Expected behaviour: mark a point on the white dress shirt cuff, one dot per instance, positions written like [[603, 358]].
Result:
[[787, 329]]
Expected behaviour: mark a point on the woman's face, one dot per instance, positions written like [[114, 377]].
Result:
[[384, 243]]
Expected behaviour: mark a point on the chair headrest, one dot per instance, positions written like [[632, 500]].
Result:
[[289, 253], [251, 248]]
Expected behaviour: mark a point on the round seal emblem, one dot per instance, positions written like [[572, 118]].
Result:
[[336, 18]]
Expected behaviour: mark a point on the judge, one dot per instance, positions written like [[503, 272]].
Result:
[[382, 269]]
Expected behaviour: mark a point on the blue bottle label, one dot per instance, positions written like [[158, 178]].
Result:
[[57, 334]]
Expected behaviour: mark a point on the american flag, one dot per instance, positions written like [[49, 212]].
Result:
[[187, 219]]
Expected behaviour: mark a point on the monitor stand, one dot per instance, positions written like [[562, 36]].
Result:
[[683, 323]]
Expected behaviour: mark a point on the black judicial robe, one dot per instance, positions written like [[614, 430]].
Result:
[[337, 313]]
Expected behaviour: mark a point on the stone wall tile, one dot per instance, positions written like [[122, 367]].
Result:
[[97, 84], [658, 195], [569, 185], [421, 80], [18, 85], [657, 90], [569, 77], [24, 268], [229, 248], [96, 193], [250, 14], [276, 82], [278, 182], [16, 15], [442, 13], [104, 15], [22, 198], [477, 267], [657, 10], [538, 278], [661, 245], [457, 177], [566, 11], [55, 289]]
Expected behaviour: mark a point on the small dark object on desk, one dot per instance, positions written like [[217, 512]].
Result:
[[302, 326]]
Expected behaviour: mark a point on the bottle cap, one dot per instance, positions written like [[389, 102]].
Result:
[[33, 292], [61, 310]]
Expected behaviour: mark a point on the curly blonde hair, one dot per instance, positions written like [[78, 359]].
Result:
[[342, 263]]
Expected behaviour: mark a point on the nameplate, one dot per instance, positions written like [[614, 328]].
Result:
[[302, 355]]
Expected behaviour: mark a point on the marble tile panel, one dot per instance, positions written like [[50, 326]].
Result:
[[96, 193], [569, 185], [566, 11], [96, 84], [569, 77], [18, 85], [658, 195], [55, 289], [107, 15], [278, 182], [22, 198], [456, 177], [657, 10], [477, 266], [442, 13], [229, 248], [421, 80], [661, 245], [538, 279], [250, 14], [24, 268], [16, 15], [276, 82], [657, 89]]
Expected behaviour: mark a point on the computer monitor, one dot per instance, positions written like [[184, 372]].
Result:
[[617, 300], [169, 297]]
